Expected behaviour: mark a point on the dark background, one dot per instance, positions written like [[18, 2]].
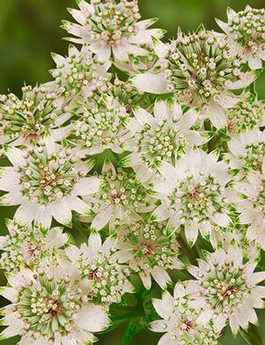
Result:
[[30, 30]]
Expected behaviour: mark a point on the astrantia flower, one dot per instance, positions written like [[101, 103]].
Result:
[[103, 277], [199, 70], [79, 74], [149, 250], [49, 308], [120, 200], [36, 117], [245, 115], [193, 194], [246, 34], [162, 137], [227, 289], [46, 184], [249, 198], [28, 245], [101, 126], [112, 27], [180, 321], [248, 152]]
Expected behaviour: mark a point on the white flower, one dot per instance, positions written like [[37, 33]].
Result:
[[193, 194], [120, 201], [49, 308], [245, 115], [247, 152], [46, 184], [112, 27], [199, 70], [79, 75], [162, 137], [249, 199], [180, 321], [149, 250], [101, 126], [28, 246], [103, 277], [38, 116], [246, 34], [226, 288]]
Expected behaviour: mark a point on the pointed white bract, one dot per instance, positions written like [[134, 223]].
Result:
[[246, 35]]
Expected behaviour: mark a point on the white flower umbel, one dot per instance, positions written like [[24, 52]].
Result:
[[101, 126], [111, 28], [248, 152], [249, 198], [162, 137], [103, 277], [193, 194], [120, 200], [199, 70], [50, 308], [227, 289], [149, 250], [27, 246], [38, 116], [180, 321], [46, 184], [245, 115], [79, 75], [246, 34]]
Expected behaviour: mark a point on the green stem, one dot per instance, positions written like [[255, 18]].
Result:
[[191, 253]]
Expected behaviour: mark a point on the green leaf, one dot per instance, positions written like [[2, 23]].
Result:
[[251, 336], [134, 327]]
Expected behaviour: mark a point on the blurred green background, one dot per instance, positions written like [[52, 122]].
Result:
[[30, 30]]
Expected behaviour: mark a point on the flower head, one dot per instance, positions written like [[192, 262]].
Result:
[[101, 126], [150, 250], [46, 184], [180, 321], [227, 289], [49, 308], [27, 246], [246, 34], [162, 137], [112, 27], [103, 277], [79, 75], [120, 201], [248, 153], [199, 69], [193, 194], [245, 115], [36, 117]]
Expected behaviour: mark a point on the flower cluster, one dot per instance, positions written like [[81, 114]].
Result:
[[140, 164]]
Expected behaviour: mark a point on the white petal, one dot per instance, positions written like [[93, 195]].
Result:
[[161, 309], [102, 51], [160, 48], [161, 276], [26, 213], [101, 219], [15, 156], [92, 318], [221, 219], [77, 205], [157, 326], [153, 83], [191, 232], [87, 186], [56, 238], [146, 279], [255, 62], [161, 110], [62, 212], [94, 241]]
